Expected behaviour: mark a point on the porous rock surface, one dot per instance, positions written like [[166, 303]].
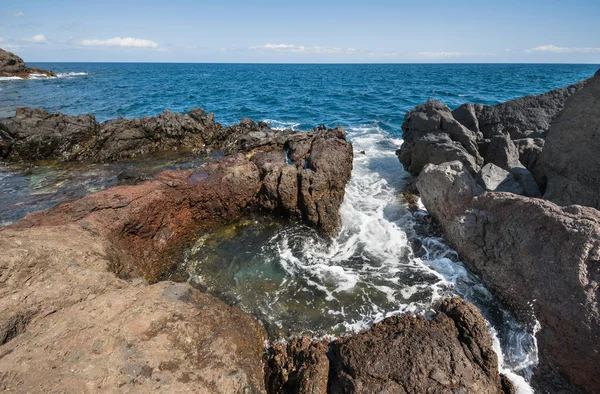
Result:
[[67, 324], [509, 135], [541, 259], [147, 221], [450, 352], [570, 159]]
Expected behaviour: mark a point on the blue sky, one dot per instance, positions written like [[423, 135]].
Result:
[[324, 31]]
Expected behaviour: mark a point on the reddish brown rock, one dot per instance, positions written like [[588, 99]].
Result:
[[69, 325]]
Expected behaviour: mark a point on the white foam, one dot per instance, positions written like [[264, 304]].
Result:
[[374, 232], [279, 125], [35, 76]]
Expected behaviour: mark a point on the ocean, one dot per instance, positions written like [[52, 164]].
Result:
[[285, 274]]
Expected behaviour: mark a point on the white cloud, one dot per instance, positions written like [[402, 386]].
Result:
[[1, 39], [128, 42], [555, 49], [18, 13], [442, 55], [290, 48], [37, 39]]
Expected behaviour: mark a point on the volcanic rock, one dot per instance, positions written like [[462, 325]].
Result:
[[541, 259], [528, 116], [450, 352], [12, 65], [432, 135], [67, 324], [570, 157]]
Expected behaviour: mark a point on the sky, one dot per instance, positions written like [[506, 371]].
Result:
[[307, 31]]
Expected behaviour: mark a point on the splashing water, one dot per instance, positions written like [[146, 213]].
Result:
[[298, 282]]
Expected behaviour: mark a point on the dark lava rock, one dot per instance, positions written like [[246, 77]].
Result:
[[12, 65], [450, 352], [528, 116], [541, 259], [495, 179], [432, 135], [570, 158]]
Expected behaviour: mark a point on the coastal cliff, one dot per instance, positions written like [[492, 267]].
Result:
[[485, 174]]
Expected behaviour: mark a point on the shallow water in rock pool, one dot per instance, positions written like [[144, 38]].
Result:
[[284, 273]]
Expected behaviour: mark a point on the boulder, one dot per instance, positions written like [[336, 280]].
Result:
[[541, 259], [528, 116], [530, 150], [495, 179], [570, 157], [502, 152], [449, 352], [69, 325], [452, 352], [432, 135]]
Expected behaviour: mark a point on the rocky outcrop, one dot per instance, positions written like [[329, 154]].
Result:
[[570, 158], [432, 135], [67, 324], [524, 117], [541, 259], [146, 222], [34, 134], [451, 352], [12, 65]]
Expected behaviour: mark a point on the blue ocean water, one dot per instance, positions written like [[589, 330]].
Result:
[[301, 95], [286, 275]]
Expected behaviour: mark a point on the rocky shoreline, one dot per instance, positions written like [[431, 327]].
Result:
[[491, 177], [84, 305], [12, 65]]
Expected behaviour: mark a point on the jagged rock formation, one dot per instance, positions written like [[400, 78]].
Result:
[[12, 65], [509, 135], [146, 221], [541, 259], [451, 352], [524, 117], [570, 158]]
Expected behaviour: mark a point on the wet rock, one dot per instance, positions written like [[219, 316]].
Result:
[[541, 259], [12, 65], [298, 366], [449, 352], [75, 327], [432, 135], [494, 179], [528, 116], [570, 157]]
